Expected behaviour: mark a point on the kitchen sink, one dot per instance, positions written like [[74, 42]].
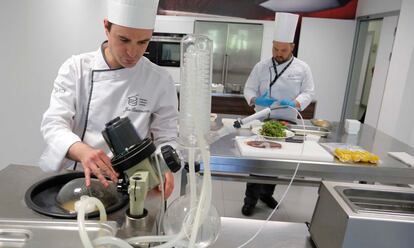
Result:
[[378, 201], [349, 215]]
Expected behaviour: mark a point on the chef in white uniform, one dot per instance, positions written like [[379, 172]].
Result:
[[282, 80], [115, 80]]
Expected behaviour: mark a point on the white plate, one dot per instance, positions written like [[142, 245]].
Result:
[[256, 130]]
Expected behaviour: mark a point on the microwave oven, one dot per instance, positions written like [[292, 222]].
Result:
[[164, 49]]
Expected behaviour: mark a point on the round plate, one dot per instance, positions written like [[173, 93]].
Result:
[[321, 123], [41, 197], [288, 133]]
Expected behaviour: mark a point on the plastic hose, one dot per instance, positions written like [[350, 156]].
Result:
[[287, 189], [111, 241], [192, 178], [81, 208], [149, 239], [205, 198]]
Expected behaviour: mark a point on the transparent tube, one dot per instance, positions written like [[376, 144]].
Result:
[[195, 88], [88, 203], [195, 109], [194, 131]]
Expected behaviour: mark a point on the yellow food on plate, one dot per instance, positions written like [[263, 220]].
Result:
[[350, 156]]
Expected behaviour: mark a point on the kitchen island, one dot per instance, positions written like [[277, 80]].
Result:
[[16, 179], [228, 164]]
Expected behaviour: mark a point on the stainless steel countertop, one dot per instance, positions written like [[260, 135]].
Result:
[[16, 179], [240, 95], [226, 158]]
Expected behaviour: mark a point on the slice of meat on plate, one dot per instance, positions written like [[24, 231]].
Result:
[[263, 144]]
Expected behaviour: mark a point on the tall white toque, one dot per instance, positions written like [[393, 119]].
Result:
[[133, 13], [285, 27]]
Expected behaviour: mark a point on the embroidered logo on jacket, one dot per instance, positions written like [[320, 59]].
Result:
[[133, 100], [135, 103]]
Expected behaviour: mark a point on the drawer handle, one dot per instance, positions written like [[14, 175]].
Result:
[[15, 235]]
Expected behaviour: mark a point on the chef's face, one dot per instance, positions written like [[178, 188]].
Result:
[[282, 51], [125, 45]]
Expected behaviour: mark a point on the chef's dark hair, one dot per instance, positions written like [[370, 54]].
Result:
[[109, 26]]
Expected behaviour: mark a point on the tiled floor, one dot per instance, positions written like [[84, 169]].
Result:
[[297, 206]]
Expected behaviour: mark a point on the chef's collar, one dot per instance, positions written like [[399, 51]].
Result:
[[103, 46]]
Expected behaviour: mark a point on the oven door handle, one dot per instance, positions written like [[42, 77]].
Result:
[[223, 69], [227, 68]]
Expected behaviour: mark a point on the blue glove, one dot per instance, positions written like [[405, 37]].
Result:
[[287, 102], [264, 100]]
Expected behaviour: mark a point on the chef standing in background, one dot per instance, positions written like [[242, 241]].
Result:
[[282, 80], [116, 80]]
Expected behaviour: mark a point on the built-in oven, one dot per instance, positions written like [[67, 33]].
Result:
[[164, 49]]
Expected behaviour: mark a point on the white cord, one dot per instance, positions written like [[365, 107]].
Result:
[[286, 191]]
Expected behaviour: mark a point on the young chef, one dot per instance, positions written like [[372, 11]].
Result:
[[116, 80], [281, 80]]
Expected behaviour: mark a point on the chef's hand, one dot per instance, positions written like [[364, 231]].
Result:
[[287, 102], [264, 100], [168, 184], [94, 161]]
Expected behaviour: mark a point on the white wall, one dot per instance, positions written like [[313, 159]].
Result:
[[174, 24], [396, 114], [37, 37], [267, 43], [369, 7], [14, 99], [326, 45]]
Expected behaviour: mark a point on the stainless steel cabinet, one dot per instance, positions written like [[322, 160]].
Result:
[[236, 49]]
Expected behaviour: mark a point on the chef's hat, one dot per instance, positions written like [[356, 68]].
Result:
[[285, 27], [133, 13]]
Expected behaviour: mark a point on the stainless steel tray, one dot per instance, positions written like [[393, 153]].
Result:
[[378, 201], [320, 131], [49, 233]]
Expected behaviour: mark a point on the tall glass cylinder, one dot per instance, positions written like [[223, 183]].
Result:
[[195, 88]]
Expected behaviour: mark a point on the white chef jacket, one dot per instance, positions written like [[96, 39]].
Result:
[[296, 83], [87, 94]]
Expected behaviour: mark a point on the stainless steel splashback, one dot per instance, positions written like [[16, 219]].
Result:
[[237, 48]]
